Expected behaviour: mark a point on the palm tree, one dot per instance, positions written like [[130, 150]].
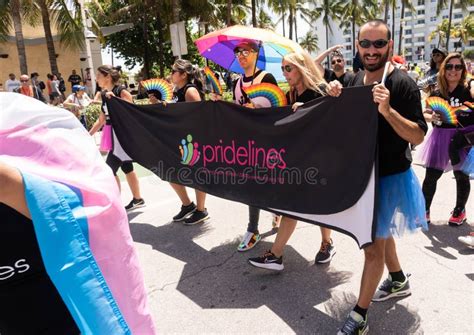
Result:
[[442, 4], [254, 13], [229, 13], [280, 8], [310, 42], [330, 11], [464, 30], [441, 31], [356, 12]]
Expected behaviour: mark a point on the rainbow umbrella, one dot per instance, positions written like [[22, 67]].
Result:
[[219, 45]]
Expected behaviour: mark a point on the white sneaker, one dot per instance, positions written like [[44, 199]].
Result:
[[467, 240]]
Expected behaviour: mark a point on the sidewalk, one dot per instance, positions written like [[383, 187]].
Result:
[[199, 284]]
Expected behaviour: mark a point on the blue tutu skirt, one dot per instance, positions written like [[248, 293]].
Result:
[[468, 166], [401, 205]]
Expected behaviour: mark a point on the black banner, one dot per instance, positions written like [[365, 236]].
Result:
[[312, 164]]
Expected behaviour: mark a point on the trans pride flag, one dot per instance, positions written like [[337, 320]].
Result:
[[80, 223]]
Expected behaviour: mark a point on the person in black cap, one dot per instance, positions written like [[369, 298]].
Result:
[[429, 82]]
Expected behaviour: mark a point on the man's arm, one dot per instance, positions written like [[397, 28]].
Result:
[[408, 130], [320, 58]]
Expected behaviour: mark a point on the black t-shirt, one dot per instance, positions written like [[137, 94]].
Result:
[[304, 97], [345, 79], [394, 152], [117, 90], [29, 302], [74, 79], [180, 95], [456, 98]]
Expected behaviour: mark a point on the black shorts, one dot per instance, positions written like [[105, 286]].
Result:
[[115, 163]]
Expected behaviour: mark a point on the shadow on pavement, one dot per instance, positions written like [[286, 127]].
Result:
[[443, 236], [222, 279]]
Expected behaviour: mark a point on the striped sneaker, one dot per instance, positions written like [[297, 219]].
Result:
[[355, 324], [249, 241]]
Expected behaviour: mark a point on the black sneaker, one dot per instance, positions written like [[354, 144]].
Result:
[[392, 289], [185, 212], [135, 203], [197, 217], [355, 324], [268, 261], [325, 253]]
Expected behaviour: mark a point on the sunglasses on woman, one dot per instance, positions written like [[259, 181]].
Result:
[[457, 67], [378, 44], [336, 61], [286, 68]]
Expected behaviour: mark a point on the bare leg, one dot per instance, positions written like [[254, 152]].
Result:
[[117, 179], [200, 200], [12, 191], [182, 194], [134, 184], [325, 235], [391, 258], [373, 271], [287, 227]]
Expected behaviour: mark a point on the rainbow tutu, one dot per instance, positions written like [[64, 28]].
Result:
[[401, 205]]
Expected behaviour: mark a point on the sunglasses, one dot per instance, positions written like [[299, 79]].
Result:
[[287, 68], [378, 44], [457, 67], [336, 61], [24, 81], [242, 53]]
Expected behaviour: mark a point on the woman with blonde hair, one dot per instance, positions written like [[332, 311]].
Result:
[[436, 152], [306, 84]]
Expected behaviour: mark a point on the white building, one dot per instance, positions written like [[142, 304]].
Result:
[[418, 25]]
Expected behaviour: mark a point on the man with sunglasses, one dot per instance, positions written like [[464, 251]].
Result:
[[400, 200], [337, 66], [246, 54]]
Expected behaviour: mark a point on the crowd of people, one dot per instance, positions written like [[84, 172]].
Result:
[[404, 203]]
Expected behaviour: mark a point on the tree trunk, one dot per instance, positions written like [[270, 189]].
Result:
[[229, 13], [393, 22], [254, 13], [20, 42], [400, 37], [48, 36], [290, 24], [161, 40], [353, 36], [451, 5], [327, 43], [283, 23], [296, 27], [176, 10], [385, 18], [146, 52]]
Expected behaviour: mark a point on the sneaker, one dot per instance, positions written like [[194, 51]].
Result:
[[196, 217], [467, 240], [392, 289], [268, 261], [185, 212], [325, 253], [135, 203], [354, 325], [428, 219], [458, 217], [249, 241], [276, 221]]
